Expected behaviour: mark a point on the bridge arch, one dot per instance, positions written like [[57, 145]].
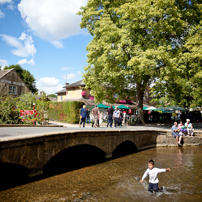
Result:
[[125, 148], [73, 158], [12, 175]]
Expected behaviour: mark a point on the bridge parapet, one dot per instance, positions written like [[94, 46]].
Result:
[[34, 152]]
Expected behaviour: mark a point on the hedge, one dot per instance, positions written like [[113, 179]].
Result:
[[68, 112]]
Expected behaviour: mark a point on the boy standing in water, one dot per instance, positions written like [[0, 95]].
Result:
[[153, 178]]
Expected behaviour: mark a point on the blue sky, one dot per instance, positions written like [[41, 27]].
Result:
[[45, 38]]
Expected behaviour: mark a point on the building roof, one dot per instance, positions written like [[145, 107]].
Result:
[[75, 84], [52, 99], [87, 102], [4, 72], [78, 83], [61, 91]]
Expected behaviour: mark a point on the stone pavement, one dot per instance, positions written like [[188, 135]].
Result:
[[197, 126]]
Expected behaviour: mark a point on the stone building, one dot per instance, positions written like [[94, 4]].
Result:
[[74, 91], [77, 92], [12, 83]]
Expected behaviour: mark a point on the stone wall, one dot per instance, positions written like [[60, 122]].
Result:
[[169, 140], [74, 93]]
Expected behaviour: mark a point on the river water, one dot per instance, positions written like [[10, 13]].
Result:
[[118, 180]]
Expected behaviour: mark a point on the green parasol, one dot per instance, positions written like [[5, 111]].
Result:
[[123, 107]]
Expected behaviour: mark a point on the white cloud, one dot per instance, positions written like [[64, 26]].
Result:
[[48, 84], [1, 14], [23, 45], [10, 6], [3, 63], [5, 1], [69, 76], [25, 61], [66, 68], [52, 20], [57, 44]]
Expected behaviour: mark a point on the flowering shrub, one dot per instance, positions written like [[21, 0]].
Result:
[[122, 101], [83, 93], [20, 109], [91, 97]]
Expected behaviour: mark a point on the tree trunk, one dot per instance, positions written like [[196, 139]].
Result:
[[140, 95]]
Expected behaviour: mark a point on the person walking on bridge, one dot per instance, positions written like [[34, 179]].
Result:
[[110, 116], [116, 116], [83, 116], [95, 112]]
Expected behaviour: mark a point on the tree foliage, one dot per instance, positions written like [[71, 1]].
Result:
[[136, 43], [26, 76], [52, 95], [8, 113]]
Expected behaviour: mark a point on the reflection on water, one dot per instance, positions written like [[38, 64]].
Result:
[[119, 180]]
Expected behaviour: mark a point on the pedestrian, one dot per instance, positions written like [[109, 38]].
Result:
[[121, 118], [116, 115], [101, 118], [95, 112], [110, 116], [124, 117], [188, 125], [88, 116], [83, 115], [175, 133], [153, 176]]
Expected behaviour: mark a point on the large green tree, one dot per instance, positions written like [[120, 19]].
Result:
[[135, 43], [26, 76], [184, 85]]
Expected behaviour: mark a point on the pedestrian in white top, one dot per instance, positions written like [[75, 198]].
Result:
[[116, 115], [153, 176], [189, 127]]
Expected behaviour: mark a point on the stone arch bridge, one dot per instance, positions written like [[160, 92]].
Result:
[[34, 152]]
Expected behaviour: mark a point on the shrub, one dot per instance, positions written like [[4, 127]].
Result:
[[68, 112]]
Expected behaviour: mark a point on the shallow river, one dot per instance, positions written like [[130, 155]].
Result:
[[119, 180]]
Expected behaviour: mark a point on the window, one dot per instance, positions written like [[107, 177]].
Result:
[[13, 90]]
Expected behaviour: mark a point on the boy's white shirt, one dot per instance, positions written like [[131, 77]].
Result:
[[153, 174]]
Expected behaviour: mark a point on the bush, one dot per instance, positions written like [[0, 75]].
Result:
[[10, 108], [8, 113], [68, 112]]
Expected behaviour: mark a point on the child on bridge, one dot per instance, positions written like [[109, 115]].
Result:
[[153, 178]]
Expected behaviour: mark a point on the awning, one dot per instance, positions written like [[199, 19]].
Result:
[[123, 107]]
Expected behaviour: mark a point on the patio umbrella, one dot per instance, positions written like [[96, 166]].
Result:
[[150, 108], [144, 108], [164, 109], [123, 107], [108, 107], [102, 106], [174, 108]]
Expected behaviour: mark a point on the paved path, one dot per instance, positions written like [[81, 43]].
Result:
[[7, 133]]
